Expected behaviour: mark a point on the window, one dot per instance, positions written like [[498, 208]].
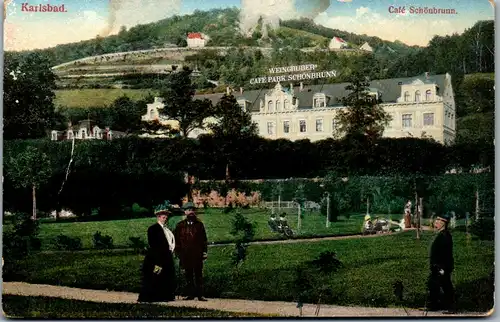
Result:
[[152, 114], [270, 128], [428, 119], [334, 125], [286, 103], [406, 118], [417, 96], [83, 133], [407, 96], [278, 105], [286, 126], [54, 135], [319, 101], [302, 126], [270, 106], [319, 125], [428, 95]]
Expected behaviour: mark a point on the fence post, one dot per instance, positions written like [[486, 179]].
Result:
[[477, 205], [327, 209], [420, 213], [299, 220]]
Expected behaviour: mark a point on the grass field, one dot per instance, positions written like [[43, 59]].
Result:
[[371, 266], [53, 308], [96, 97], [217, 224]]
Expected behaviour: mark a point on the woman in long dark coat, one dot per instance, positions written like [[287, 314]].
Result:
[[158, 269]]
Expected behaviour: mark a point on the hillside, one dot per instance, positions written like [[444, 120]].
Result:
[[222, 27]]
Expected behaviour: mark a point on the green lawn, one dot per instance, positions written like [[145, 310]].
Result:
[[371, 266], [218, 226], [40, 307], [95, 97]]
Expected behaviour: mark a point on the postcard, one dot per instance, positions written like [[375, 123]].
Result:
[[248, 158]]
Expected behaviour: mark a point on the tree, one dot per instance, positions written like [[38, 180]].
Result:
[[362, 115], [31, 168], [178, 92], [232, 120], [29, 85], [126, 114]]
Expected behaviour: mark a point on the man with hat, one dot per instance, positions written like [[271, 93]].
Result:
[[191, 248], [441, 266], [158, 269]]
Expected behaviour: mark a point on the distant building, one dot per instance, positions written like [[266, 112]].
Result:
[[337, 43], [366, 47], [85, 130], [420, 107], [197, 40]]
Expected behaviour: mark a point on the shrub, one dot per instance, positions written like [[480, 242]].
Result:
[[64, 242], [484, 228], [137, 244], [102, 241]]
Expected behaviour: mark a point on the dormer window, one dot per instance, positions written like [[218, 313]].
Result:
[[428, 95], [278, 105], [54, 135], [83, 133], [286, 104], [407, 96], [152, 114], [319, 100], [242, 104], [417, 96]]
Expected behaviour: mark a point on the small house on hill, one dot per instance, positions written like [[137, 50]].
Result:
[[366, 47], [337, 43], [196, 40]]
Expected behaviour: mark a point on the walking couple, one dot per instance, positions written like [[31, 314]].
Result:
[[188, 242]]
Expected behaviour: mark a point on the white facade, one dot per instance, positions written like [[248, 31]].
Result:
[[422, 109], [366, 47], [337, 43], [196, 40]]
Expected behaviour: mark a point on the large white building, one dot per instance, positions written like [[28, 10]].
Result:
[[421, 106], [196, 40], [337, 43]]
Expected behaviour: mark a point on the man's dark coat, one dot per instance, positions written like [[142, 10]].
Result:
[[190, 243]]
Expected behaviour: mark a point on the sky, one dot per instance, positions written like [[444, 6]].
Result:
[[85, 19]]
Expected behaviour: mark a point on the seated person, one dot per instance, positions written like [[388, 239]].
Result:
[[283, 223], [368, 223], [273, 223]]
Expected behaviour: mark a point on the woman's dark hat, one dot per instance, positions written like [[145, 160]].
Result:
[[445, 217], [163, 209], [188, 206]]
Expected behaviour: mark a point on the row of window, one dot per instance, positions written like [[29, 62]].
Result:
[[428, 96], [270, 105], [407, 119], [271, 130]]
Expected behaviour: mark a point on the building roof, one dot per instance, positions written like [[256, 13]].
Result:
[[390, 89], [195, 35], [339, 39]]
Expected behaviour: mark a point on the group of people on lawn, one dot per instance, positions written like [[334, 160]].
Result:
[[188, 242]]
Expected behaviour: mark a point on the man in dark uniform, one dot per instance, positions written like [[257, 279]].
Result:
[[441, 267], [191, 247], [158, 269]]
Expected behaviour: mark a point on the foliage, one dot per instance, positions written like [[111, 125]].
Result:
[[28, 84], [178, 92], [484, 228], [363, 116], [63, 242], [102, 241], [29, 168], [327, 262], [244, 232], [232, 120], [137, 244]]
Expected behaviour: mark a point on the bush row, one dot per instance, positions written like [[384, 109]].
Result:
[[108, 175]]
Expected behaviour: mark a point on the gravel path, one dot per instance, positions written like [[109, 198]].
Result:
[[284, 309]]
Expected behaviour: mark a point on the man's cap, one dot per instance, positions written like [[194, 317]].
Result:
[[367, 217], [163, 209], [188, 205]]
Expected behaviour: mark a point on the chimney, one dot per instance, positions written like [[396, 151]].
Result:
[[291, 87], [241, 90], [427, 75], [301, 86]]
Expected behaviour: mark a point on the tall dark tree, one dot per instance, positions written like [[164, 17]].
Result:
[[29, 85], [362, 115], [178, 92], [232, 120]]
